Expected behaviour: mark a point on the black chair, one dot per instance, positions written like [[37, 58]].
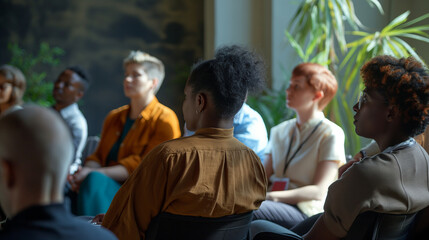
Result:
[[170, 226], [367, 226], [381, 226], [90, 146]]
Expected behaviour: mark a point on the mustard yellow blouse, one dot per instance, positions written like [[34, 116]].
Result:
[[209, 174]]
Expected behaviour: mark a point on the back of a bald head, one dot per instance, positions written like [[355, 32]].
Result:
[[38, 143]]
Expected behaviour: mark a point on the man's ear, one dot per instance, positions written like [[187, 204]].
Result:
[[201, 101], [318, 95], [155, 82], [79, 95], [7, 173]]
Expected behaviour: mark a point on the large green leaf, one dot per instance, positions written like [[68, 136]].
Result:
[[377, 4], [421, 18], [397, 21]]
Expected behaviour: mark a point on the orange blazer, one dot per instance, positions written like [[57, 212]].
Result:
[[155, 124]]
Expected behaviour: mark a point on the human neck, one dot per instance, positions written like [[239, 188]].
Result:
[[304, 115], [60, 106], [24, 200], [208, 121], [389, 140], [391, 135], [138, 104]]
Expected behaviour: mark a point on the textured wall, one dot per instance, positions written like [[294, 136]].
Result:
[[98, 34]]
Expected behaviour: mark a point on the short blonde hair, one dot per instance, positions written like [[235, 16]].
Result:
[[320, 78], [153, 67]]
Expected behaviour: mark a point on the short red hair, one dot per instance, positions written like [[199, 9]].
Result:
[[320, 78]]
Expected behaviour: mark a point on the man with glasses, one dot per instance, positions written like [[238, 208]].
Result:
[[69, 88]]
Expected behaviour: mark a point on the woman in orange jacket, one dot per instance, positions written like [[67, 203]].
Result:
[[128, 134]]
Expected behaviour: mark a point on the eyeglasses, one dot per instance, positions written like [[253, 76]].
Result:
[[5, 85], [362, 99]]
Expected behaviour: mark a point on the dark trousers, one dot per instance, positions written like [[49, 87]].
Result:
[[282, 214]]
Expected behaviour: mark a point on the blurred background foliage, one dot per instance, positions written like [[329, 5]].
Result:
[[318, 33], [39, 89]]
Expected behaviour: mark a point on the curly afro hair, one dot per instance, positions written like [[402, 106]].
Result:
[[232, 73], [403, 82]]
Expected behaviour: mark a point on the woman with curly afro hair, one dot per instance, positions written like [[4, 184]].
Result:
[[209, 174], [393, 108]]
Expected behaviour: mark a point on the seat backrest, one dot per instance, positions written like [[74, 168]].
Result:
[[170, 226], [90, 146], [420, 229], [381, 226]]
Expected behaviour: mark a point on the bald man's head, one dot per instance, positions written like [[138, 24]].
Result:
[[37, 147]]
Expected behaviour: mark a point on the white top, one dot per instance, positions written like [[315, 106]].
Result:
[[78, 126], [326, 143]]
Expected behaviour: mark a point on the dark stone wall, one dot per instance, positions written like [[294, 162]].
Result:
[[98, 34]]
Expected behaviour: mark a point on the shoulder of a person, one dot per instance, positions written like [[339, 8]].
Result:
[[330, 129], [252, 117], [118, 111], [88, 230], [172, 146], [247, 111], [78, 121], [163, 111], [80, 115], [332, 126], [281, 126], [376, 166]]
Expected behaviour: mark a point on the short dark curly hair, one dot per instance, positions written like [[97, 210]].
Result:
[[403, 82], [83, 74], [232, 73]]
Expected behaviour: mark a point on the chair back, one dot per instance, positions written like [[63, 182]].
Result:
[[90, 147], [170, 226], [367, 226], [381, 226]]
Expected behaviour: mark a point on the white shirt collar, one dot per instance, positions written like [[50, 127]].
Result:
[[407, 143]]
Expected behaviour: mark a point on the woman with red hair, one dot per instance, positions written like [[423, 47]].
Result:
[[303, 153]]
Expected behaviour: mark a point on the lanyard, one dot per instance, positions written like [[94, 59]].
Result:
[[288, 160]]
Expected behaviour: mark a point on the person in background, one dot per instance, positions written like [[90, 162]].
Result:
[[69, 88], [393, 108], [304, 153], [129, 133], [12, 87], [35, 153], [209, 174]]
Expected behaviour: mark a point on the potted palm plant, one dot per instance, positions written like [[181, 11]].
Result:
[[318, 34]]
